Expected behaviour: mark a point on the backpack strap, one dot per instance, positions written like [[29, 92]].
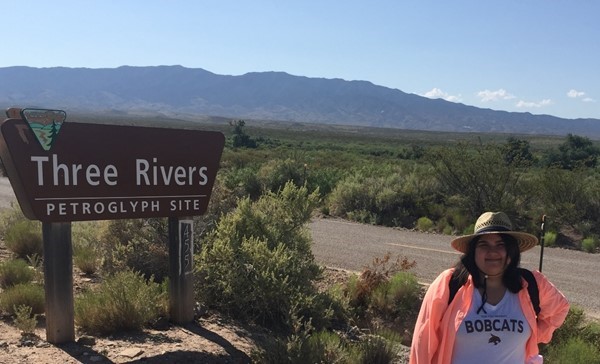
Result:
[[532, 289], [455, 284]]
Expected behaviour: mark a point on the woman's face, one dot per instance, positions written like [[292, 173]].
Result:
[[490, 254]]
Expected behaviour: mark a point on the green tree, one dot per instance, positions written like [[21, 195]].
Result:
[[575, 152], [240, 138], [517, 151], [564, 195], [480, 177]]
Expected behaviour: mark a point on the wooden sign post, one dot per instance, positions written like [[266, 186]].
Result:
[[63, 172], [58, 282]]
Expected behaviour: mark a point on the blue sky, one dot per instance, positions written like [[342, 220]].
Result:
[[532, 56]]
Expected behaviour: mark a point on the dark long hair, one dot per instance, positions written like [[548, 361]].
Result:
[[511, 277]]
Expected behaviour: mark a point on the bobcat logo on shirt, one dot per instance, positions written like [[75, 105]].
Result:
[[494, 339]]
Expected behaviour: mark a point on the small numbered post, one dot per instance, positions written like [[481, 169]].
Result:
[[181, 270]]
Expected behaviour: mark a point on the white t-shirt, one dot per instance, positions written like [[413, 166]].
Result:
[[496, 337]]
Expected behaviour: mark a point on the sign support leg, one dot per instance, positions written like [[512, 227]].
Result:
[[58, 282], [181, 258]]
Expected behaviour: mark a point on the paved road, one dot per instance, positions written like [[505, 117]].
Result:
[[352, 246]]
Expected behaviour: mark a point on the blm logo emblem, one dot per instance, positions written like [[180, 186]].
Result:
[[45, 124]]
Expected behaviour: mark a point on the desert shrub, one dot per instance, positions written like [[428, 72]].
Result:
[[371, 199], [323, 179], [136, 244], [305, 346], [86, 258], [9, 216], [363, 216], [86, 245], [24, 319], [376, 350], [571, 327], [574, 350], [24, 238], [125, 301], [481, 177], [27, 294], [389, 195], [398, 298], [222, 201], [457, 218], [14, 272], [245, 180], [563, 194], [274, 174], [469, 229], [575, 334], [590, 332], [329, 347], [258, 264], [589, 244], [424, 224], [550, 238], [359, 289]]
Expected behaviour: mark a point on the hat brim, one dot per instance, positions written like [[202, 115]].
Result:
[[526, 241]]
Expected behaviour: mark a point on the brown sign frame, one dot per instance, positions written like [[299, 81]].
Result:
[[105, 172]]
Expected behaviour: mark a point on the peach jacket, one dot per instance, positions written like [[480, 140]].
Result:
[[438, 322]]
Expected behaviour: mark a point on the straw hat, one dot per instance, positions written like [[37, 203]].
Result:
[[494, 223]]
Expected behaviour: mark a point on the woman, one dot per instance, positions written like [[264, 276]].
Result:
[[491, 318]]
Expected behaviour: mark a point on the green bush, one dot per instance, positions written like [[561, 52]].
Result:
[[575, 334], [589, 244], [15, 271], [591, 333], [274, 174], [424, 224], [575, 350], [24, 239], [550, 239], [10, 216], [27, 294], [376, 350], [389, 195], [86, 258], [125, 301], [24, 319], [383, 287], [258, 264], [244, 180], [85, 236], [571, 327], [303, 347], [140, 245], [325, 346], [398, 298]]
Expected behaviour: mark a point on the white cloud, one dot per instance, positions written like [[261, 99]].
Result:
[[500, 94], [437, 93], [588, 99], [575, 94], [531, 104]]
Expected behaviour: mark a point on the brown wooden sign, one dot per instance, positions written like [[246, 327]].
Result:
[[103, 172]]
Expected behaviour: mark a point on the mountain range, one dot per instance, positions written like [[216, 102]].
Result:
[[175, 91]]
